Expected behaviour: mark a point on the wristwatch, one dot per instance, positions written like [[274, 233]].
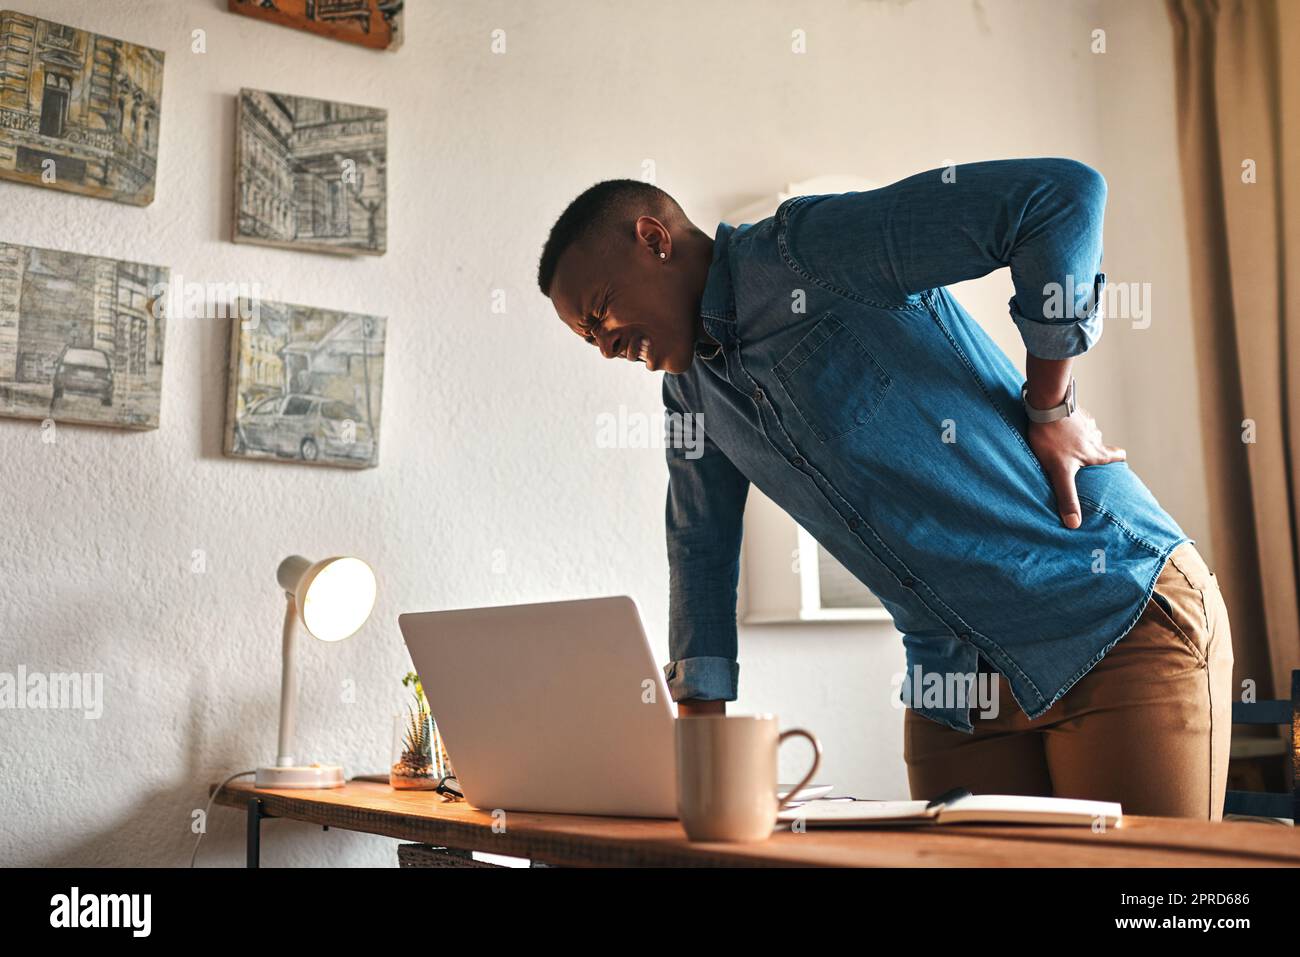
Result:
[[1055, 412]]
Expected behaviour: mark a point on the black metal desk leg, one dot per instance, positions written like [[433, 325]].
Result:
[[253, 854]]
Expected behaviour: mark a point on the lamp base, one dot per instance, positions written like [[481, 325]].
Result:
[[300, 776]]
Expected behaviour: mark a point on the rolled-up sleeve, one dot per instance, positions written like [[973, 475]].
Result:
[[1063, 336], [703, 520], [1041, 217]]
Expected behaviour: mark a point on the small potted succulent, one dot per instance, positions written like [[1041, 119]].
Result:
[[420, 760]]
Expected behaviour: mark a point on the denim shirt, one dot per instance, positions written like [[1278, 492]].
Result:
[[856, 393]]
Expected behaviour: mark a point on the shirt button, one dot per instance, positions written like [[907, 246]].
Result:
[[909, 582], [797, 461], [758, 395], [853, 523], [963, 636]]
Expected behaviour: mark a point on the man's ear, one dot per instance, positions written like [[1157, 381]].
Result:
[[654, 237]]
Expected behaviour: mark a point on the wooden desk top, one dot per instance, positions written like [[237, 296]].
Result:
[[576, 840]]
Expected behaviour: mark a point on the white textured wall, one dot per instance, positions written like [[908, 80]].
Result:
[[490, 487]]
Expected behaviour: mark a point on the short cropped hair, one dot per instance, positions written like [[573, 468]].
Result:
[[607, 205]]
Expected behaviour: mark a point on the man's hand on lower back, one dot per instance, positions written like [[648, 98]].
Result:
[[1065, 446], [693, 708]]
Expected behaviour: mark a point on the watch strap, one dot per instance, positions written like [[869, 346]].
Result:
[[1055, 412]]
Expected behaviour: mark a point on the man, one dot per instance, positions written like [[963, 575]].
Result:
[[1012, 547]]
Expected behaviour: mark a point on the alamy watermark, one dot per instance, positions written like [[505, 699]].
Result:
[[946, 689], [1118, 300], [38, 690], [127, 911], [179, 298], [637, 430]]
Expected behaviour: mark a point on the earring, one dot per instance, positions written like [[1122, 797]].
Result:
[[663, 255]]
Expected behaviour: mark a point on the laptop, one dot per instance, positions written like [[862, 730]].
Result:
[[552, 706]]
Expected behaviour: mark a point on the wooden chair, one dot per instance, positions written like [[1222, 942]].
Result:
[[1270, 804]]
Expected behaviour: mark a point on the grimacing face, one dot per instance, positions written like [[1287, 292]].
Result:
[[627, 300]]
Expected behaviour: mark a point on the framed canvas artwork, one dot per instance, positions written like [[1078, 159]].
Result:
[[81, 338], [78, 112], [311, 174], [306, 385], [369, 23]]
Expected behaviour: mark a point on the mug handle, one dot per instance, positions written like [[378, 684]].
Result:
[[817, 762]]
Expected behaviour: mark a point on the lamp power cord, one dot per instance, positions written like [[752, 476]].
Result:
[[241, 774]]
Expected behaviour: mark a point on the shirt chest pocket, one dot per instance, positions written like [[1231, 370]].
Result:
[[833, 381]]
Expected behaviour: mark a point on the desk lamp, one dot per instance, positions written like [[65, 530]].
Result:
[[332, 599]]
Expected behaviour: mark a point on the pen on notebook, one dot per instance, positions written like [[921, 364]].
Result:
[[948, 796]]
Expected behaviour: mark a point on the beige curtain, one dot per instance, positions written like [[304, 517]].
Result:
[[1237, 66]]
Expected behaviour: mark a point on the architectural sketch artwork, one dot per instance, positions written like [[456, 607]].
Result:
[[311, 174], [370, 23], [305, 385], [81, 338], [78, 112]]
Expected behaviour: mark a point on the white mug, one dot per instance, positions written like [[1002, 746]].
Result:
[[727, 775]]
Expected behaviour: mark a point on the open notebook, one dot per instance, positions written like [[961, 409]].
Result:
[[956, 807]]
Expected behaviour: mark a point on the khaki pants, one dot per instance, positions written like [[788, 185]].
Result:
[[1148, 726]]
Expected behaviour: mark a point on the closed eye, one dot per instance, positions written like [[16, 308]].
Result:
[[592, 323]]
